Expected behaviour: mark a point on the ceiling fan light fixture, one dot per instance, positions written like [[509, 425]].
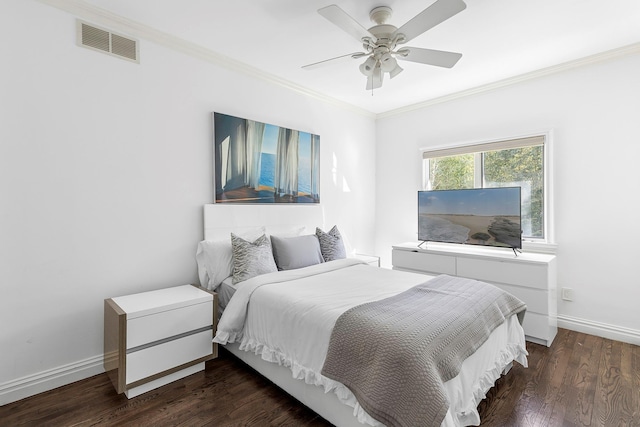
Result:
[[368, 66], [388, 62], [397, 70]]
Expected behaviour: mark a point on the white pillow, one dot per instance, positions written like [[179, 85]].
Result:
[[224, 233], [285, 230], [214, 257]]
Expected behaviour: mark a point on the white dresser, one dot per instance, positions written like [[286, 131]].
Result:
[[154, 338], [529, 276]]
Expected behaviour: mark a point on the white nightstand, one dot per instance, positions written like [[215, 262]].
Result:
[[154, 338], [369, 259]]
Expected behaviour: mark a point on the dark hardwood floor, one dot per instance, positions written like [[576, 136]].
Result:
[[581, 380]]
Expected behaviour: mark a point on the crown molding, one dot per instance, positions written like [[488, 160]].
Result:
[[105, 18], [631, 49], [89, 12]]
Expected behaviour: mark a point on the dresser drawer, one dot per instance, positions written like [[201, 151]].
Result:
[[522, 274], [165, 324], [427, 263], [539, 327], [537, 300], [158, 358]]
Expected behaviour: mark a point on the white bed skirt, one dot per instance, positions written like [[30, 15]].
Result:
[[478, 374]]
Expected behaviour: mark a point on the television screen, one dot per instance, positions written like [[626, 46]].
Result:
[[478, 216]]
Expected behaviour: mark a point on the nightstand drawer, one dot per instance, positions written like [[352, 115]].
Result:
[[157, 326], [158, 358]]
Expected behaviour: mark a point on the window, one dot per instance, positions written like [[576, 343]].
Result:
[[510, 163]]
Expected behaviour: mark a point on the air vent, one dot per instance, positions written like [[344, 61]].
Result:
[[95, 38]]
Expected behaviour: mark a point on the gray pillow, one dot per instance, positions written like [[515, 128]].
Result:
[[331, 244], [251, 259], [296, 252]]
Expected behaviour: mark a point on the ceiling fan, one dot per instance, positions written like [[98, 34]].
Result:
[[381, 41]]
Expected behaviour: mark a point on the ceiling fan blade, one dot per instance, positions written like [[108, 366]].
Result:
[[438, 12], [439, 58], [340, 18], [374, 81], [318, 64]]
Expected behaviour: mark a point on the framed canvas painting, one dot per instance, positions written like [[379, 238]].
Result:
[[257, 162]]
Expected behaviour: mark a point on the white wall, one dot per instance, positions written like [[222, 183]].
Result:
[[104, 168], [593, 113]]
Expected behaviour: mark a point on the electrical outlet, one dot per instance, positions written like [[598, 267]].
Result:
[[567, 294]]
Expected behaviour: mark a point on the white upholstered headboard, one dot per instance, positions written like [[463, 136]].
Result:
[[219, 218]]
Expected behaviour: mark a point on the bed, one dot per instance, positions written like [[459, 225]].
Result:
[[287, 332]]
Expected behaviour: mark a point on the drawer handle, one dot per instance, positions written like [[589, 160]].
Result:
[[164, 340]]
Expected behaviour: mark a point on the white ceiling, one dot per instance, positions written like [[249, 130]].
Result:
[[499, 39]]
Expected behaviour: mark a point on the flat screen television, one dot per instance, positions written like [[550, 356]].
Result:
[[478, 216]]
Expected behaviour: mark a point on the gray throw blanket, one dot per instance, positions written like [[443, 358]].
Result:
[[395, 354]]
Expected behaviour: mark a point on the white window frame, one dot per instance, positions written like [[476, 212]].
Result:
[[545, 245]]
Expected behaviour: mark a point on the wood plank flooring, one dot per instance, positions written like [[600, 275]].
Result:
[[582, 380]]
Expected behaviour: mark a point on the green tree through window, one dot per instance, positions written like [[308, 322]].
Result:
[[496, 165], [453, 172], [521, 167]]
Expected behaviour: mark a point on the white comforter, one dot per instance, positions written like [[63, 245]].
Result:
[[287, 318]]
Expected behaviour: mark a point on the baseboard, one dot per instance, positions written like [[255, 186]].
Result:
[[30, 385], [614, 332]]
